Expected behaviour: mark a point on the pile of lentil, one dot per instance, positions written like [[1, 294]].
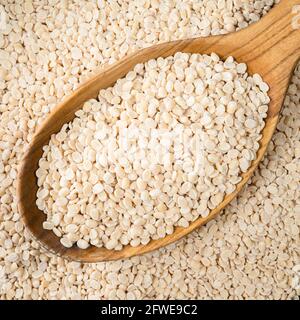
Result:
[[250, 251], [160, 148]]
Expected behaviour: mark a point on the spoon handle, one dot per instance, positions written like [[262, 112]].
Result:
[[274, 48], [270, 46], [276, 39]]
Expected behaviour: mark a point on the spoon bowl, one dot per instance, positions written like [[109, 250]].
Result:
[[270, 47]]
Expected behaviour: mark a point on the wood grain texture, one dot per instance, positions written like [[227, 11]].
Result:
[[270, 47]]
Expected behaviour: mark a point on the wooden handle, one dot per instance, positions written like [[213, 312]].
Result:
[[272, 43], [276, 39]]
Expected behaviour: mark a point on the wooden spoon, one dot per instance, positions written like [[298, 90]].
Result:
[[270, 47]]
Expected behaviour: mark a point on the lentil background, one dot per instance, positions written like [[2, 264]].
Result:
[[251, 251]]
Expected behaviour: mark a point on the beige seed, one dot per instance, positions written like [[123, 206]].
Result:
[[76, 53], [82, 244], [66, 243]]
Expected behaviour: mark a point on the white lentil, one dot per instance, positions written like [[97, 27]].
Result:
[[136, 154]]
